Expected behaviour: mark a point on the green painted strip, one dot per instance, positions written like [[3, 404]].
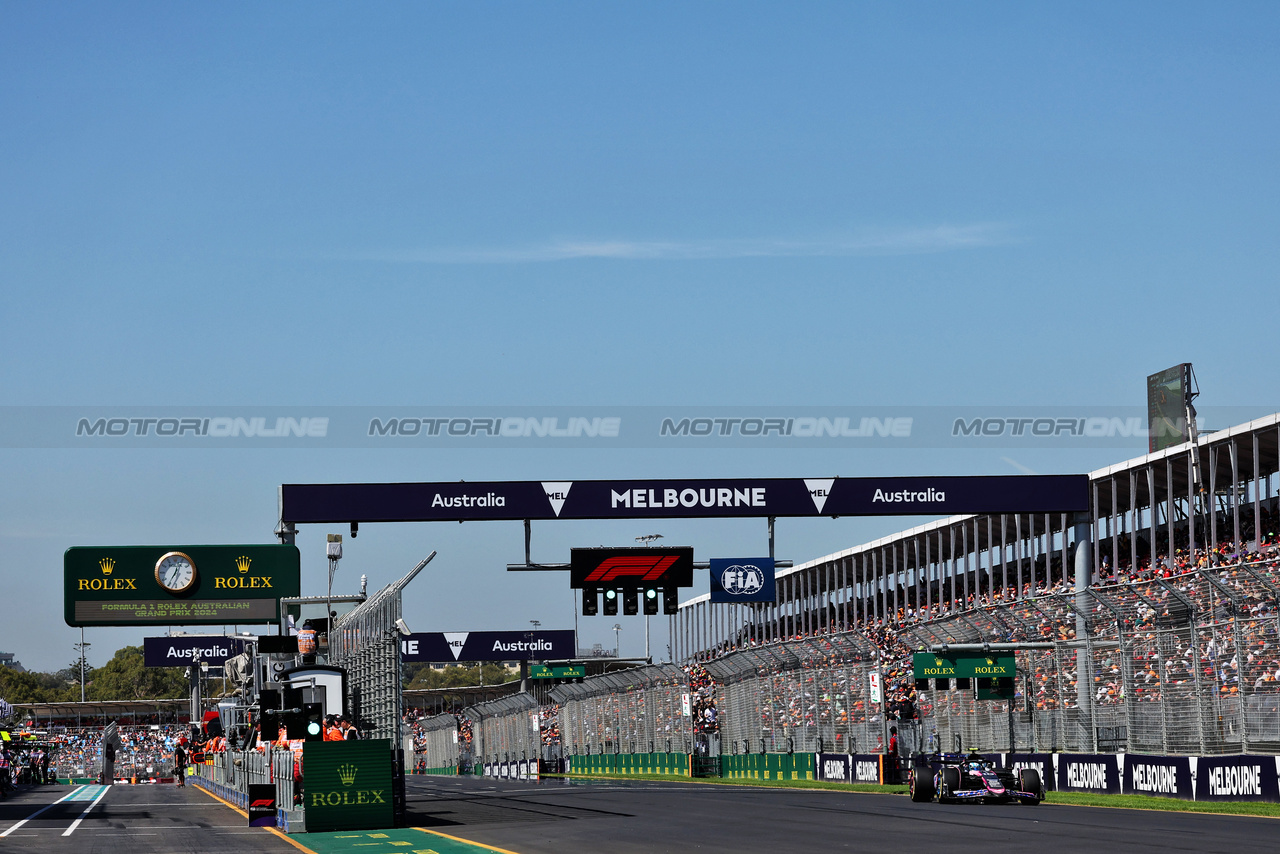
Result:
[[407, 840]]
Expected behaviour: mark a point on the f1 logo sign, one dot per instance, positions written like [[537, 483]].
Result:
[[631, 567]]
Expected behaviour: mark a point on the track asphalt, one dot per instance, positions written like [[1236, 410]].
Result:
[[464, 815]]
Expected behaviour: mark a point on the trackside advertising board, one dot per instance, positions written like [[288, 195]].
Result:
[[553, 645], [180, 652], [1088, 773], [307, 503], [1165, 776], [1237, 778], [348, 785], [177, 585]]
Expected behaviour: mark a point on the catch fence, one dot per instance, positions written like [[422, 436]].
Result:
[[505, 730], [810, 695], [436, 745], [1187, 665], [366, 642], [642, 710]]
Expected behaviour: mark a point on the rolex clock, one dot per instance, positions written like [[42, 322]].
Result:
[[176, 573]]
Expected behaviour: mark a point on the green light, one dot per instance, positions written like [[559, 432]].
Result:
[[651, 594], [313, 727], [611, 594]]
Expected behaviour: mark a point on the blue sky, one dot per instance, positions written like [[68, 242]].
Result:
[[584, 204]]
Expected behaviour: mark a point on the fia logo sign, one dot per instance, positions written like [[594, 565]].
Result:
[[742, 579]]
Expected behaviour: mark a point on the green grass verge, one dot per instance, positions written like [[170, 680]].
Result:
[[1144, 802], [1083, 799], [727, 781]]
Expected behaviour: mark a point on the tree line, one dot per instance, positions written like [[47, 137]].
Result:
[[125, 678]]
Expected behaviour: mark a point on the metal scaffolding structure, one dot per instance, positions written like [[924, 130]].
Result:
[[366, 643]]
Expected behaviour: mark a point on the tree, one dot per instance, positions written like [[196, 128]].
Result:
[[454, 676], [125, 678], [19, 688]]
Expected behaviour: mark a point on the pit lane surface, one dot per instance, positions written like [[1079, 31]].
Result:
[[127, 820], [555, 817]]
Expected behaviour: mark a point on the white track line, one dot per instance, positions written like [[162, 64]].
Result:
[[72, 829], [37, 812]]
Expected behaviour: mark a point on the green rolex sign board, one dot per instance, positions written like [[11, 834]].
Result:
[[177, 585], [573, 671], [926, 665], [347, 785]]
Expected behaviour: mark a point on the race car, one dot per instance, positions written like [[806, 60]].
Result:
[[956, 778]]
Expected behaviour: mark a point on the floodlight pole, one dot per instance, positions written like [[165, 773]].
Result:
[[334, 550], [82, 646]]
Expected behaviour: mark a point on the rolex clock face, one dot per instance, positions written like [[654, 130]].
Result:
[[176, 572]]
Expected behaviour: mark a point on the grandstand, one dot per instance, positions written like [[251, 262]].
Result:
[[1156, 617], [1161, 603]]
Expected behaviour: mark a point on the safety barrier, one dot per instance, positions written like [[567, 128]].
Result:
[[230, 774], [768, 766], [629, 763]]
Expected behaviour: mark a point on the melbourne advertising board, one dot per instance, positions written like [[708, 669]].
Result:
[[302, 503], [553, 645], [177, 585]]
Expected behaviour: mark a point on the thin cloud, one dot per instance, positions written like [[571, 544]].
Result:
[[1019, 466], [943, 238]]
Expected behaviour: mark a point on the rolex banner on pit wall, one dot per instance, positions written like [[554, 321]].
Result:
[[347, 785]]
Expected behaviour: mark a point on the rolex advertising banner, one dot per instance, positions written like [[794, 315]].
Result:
[[177, 585], [742, 579], [347, 785]]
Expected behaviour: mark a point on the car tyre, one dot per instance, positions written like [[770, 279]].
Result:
[[921, 784], [950, 782], [1029, 781]]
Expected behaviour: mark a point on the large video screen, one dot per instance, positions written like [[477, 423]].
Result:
[[1167, 407]]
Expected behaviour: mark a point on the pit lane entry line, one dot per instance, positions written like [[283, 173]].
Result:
[[72, 829], [42, 809]]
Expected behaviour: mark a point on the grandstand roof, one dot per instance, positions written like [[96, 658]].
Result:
[[1267, 428], [99, 708]]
